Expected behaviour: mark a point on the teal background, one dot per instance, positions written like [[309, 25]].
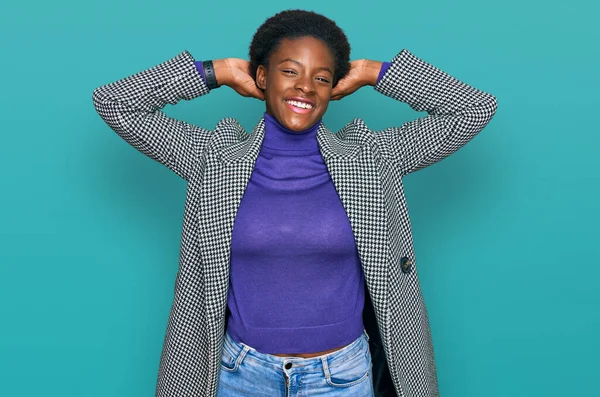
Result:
[[506, 230]]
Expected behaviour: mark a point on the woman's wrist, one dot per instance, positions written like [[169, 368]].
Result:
[[222, 71], [371, 71]]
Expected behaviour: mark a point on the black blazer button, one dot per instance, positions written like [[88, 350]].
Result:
[[405, 264]]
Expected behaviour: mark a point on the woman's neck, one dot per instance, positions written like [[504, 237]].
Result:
[[279, 137]]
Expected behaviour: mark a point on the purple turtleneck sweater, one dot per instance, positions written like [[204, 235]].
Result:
[[296, 283]]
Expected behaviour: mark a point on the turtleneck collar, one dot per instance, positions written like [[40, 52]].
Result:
[[280, 138]]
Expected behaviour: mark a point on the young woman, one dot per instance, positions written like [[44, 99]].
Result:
[[297, 274]]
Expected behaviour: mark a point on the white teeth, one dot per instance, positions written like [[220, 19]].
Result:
[[300, 104]]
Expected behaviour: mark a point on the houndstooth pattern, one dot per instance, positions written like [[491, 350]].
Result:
[[366, 168]]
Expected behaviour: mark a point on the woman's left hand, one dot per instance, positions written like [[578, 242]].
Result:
[[362, 72]]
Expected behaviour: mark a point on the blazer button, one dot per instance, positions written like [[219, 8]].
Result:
[[405, 264]]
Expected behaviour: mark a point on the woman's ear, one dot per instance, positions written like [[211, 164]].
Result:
[[261, 77]]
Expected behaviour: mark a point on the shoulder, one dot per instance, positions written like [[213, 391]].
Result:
[[229, 130], [357, 131], [229, 124]]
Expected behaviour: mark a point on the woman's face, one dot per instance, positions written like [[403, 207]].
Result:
[[301, 70]]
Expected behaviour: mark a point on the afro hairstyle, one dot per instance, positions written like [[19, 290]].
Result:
[[294, 24]]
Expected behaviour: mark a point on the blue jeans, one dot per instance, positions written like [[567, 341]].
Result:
[[343, 373]]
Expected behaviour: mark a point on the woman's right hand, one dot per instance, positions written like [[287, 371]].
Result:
[[235, 73]]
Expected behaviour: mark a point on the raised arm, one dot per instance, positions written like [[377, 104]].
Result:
[[132, 108], [456, 113]]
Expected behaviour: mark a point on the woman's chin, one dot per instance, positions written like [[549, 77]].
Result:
[[298, 122], [299, 126]]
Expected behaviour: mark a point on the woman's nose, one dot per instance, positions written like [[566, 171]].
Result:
[[304, 83]]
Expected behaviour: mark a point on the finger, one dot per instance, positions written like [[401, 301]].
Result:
[[255, 91], [259, 94], [337, 94], [251, 90], [340, 94], [256, 94], [338, 89]]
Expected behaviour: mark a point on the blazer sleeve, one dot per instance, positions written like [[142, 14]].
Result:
[[132, 108], [456, 113]]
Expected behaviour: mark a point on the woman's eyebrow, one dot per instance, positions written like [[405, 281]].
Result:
[[300, 63]]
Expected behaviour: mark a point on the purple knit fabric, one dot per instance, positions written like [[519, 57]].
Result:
[[296, 281]]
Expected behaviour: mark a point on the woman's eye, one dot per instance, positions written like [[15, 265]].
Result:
[[289, 71]]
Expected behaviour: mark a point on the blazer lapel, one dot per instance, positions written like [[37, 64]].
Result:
[[355, 178]]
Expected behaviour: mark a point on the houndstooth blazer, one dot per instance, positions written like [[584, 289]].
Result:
[[366, 168]]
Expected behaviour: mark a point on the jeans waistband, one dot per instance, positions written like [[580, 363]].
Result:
[[300, 363]]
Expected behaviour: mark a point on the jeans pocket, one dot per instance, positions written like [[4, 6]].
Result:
[[233, 355], [350, 372]]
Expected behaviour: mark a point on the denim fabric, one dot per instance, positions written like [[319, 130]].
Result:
[[344, 373]]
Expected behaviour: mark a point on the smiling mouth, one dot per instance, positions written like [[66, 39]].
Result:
[[299, 107]]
